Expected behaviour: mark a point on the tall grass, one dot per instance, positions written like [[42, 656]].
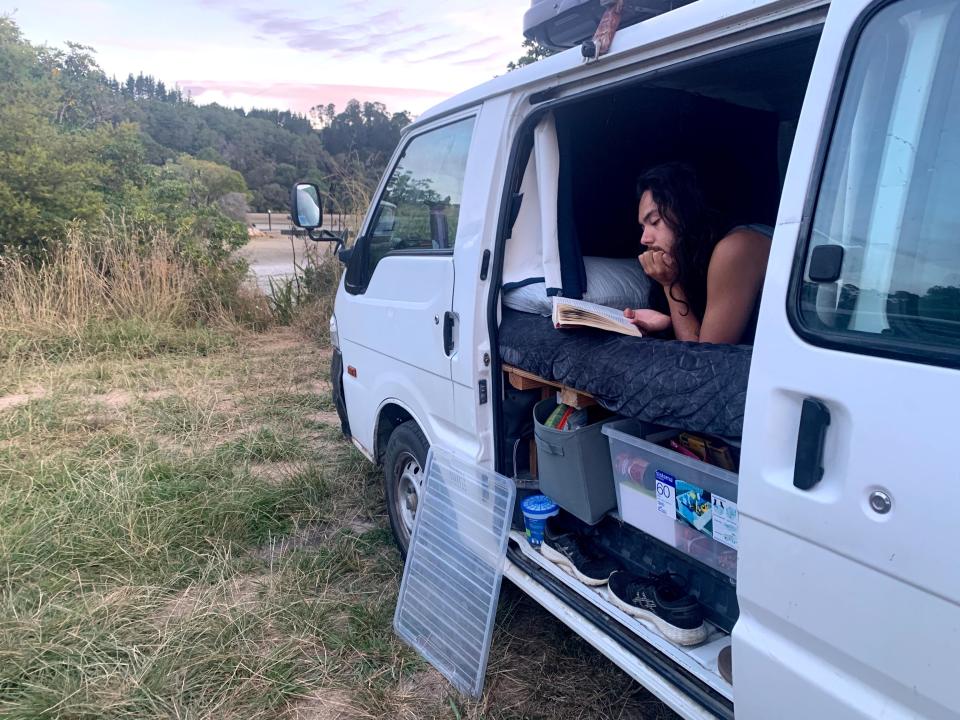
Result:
[[104, 291], [307, 301]]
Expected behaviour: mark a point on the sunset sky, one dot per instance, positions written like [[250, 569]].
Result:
[[281, 53]]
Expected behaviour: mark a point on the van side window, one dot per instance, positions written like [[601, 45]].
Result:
[[421, 204], [888, 203]]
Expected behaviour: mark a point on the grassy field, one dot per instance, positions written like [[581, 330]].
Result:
[[184, 533]]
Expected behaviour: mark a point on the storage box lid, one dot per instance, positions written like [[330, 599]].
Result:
[[451, 581], [561, 24]]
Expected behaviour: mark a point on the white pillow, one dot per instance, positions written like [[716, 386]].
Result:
[[614, 282]]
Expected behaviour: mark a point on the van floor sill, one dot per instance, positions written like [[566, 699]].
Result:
[[700, 661]]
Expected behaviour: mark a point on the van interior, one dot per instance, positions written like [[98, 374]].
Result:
[[733, 118]]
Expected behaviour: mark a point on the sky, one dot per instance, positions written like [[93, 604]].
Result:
[[290, 55]]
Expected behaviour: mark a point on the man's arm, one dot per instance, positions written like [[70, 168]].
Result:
[[685, 324]]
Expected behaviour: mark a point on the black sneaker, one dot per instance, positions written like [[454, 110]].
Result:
[[578, 556], [660, 600]]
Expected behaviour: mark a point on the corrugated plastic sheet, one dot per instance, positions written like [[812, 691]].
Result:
[[451, 582]]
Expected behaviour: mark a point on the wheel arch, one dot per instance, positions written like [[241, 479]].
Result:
[[391, 415]]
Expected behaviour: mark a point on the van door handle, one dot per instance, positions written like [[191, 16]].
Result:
[[449, 319], [808, 466]]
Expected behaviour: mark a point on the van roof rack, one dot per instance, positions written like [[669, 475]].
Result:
[[562, 24]]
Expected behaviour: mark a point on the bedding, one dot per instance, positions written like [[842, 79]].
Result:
[[698, 387], [614, 282]]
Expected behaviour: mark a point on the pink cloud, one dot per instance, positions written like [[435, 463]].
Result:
[[301, 97]]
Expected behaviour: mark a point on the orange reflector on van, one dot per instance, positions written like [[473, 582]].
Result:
[[351, 371]]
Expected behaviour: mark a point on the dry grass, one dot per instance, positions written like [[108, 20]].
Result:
[[321, 278], [107, 291], [100, 279], [186, 536]]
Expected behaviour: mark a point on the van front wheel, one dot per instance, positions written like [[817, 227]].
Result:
[[403, 475]]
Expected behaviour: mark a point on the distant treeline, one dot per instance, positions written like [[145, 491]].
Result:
[[271, 148], [76, 145]]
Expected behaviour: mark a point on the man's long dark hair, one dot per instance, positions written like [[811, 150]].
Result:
[[676, 192]]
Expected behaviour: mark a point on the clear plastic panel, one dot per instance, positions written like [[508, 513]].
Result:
[[451, 582]]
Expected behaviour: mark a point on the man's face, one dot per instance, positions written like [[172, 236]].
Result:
[[657, 234]]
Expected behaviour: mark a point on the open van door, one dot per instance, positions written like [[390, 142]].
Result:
[[849, 583]]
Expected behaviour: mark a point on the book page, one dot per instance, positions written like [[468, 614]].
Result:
[[567, 311], [592, 309]]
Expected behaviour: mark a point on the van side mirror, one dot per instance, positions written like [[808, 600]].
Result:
[[306, 208]]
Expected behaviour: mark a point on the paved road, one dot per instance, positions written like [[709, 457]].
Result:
[[271, 254]]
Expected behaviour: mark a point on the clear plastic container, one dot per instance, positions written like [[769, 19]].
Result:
[[687, 504]]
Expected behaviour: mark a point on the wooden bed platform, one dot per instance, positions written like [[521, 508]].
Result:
[[523, 380]]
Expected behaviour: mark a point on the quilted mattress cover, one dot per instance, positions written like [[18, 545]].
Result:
[[698, 387]]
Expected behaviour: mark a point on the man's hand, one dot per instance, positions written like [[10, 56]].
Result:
[[659, 265], [650, 321]]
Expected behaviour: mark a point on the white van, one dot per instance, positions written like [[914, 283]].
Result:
[[837, 123]]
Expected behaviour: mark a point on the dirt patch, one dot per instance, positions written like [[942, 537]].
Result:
[[360, 526], [239, 592], [324, 417], [156, 394], [427, 687], [278, 341], [8, 402], [305, 538], [96, 421], [275, 473], [114, 399], [327, 705]]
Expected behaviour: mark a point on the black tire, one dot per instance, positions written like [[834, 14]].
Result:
[[404, 460]]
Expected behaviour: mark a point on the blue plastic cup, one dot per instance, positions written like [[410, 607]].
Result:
[[536, 509]]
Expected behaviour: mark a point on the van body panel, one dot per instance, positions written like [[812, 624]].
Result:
[[841, 638], [379, 330], [845, 611]]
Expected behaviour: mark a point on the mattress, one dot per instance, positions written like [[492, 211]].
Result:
[[698, 387]]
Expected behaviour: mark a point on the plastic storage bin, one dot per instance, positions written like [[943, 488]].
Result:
[[574, 466], [687, 504]]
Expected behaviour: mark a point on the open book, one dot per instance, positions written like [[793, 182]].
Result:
[[573, 313]]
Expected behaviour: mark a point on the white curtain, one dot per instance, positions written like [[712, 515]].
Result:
[[532, 252]]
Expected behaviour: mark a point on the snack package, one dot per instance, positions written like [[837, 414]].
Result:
[[719, 454], [695, 444], [677, 447], [554, 418]]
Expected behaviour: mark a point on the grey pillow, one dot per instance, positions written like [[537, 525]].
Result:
[[614, 282]]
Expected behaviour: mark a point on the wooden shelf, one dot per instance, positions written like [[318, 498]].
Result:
[[523, 380]]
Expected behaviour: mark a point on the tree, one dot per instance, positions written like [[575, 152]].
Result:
[[206, 181], [533, 51], [75, 144]]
